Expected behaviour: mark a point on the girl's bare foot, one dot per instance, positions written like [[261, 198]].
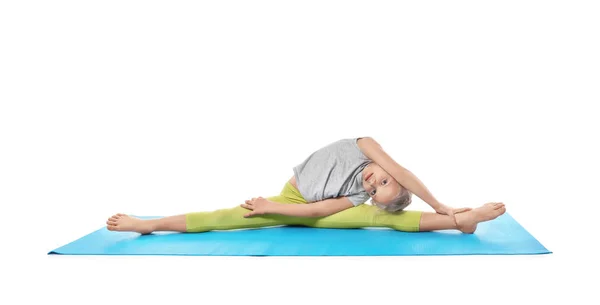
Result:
[[467, 221], [122, 222]]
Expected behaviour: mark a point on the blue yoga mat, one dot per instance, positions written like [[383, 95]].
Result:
[[502, 236]]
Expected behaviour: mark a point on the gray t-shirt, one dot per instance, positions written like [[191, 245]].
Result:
[[333, 171]]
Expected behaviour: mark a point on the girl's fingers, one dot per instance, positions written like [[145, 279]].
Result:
[[461, 210]]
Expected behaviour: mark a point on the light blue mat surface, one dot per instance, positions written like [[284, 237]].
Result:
[[502, 236]]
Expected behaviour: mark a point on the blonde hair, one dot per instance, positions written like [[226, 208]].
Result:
[[401, 201]]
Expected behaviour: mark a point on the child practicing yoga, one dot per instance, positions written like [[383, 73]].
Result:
[[329, 189]]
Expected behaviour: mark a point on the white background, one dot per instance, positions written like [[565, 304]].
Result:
[[166, 107]]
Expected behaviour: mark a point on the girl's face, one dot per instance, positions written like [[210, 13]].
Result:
[[379, 184]]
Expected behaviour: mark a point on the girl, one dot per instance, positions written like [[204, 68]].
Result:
[[328, 190]]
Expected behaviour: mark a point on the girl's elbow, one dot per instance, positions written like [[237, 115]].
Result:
[[316, 213]]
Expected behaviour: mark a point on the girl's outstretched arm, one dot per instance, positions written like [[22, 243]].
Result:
[[406, 178], [260, 206]]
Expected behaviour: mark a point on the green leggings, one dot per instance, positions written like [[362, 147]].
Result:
[[360, 216]]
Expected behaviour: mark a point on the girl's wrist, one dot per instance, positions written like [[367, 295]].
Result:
[[436, 205], [273, 207]]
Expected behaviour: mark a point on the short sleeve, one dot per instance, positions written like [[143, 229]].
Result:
[[361, 155], [358, 199]]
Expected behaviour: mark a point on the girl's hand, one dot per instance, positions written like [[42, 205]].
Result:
[[258, 206], [446, 210]]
